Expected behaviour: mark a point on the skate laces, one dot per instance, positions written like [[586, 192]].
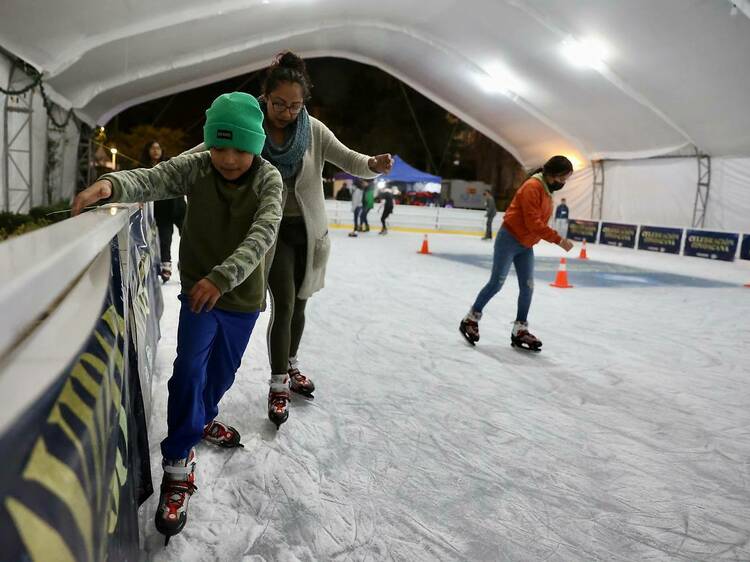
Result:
[[278, 401], [298, 377], [280, 396], [218, 430], [523, 333], [175, 492]]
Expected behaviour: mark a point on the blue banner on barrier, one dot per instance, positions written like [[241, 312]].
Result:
[[711, 245], [615, 234], [583, 230], [745, 248], [660, 239], [76, 463]]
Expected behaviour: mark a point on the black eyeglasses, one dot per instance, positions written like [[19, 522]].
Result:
[[293, 108]]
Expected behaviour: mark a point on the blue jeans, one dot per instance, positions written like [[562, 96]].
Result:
[[508, 250], [357, 213], [210, 346]]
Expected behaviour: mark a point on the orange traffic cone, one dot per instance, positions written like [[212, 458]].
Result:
[[583, 255], [561, 281], [425, 246]]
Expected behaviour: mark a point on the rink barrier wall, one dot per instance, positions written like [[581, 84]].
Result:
[[581, 230], [745, 248], [75, 372], [702, 243], [710, 244], [411, 218], [618, 234], [660, 239]]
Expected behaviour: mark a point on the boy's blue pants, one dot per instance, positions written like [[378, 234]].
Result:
[[210, 346]]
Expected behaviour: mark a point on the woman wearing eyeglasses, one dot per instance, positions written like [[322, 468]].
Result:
[[299, 145]]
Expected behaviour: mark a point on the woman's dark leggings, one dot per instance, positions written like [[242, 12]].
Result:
[[386, 213], [284, 280], [168, 213]]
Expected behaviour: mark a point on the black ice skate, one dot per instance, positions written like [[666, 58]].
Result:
[[166, 271], [299, 383], [469, 327], [177, 485], [278, 400], [523, 339], [222, 435]]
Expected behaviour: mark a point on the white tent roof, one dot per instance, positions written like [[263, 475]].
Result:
[[677, 72]]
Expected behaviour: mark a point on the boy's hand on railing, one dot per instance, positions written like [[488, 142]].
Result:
[[97, 191], [203, 293]]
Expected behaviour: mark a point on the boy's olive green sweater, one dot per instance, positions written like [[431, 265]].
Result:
[[228, 227]]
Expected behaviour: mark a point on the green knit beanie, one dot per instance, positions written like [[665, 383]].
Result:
[[235, 121]]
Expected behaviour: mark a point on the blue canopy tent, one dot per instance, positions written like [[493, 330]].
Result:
[[401, 172]]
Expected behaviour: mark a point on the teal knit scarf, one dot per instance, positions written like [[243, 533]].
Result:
[[288, 157]]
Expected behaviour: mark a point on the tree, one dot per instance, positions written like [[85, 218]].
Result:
[[130, 144]]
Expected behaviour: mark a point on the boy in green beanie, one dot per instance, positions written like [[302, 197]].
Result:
[[233, 213]]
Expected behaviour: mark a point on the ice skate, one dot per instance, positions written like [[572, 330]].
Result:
[[222, 435], [299, 383], [166, 271], [521, 337], [177, 485], [278, 399], [469, 327]]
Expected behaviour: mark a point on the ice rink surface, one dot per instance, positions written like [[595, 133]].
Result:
[[627, 438]]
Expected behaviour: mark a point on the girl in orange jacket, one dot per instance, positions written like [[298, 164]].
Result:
[[524, 225]]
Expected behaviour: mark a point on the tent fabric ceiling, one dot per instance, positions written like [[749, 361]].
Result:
[[676, 75]]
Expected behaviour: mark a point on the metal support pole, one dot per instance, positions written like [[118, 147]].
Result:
[[597, 195], [18, 143], [702, 190], [85, 176]]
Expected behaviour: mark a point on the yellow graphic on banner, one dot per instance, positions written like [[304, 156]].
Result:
[[41, 540], [61, 481], [96, 401], [710, 244], [624, 234]]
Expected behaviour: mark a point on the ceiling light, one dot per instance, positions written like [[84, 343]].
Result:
[[577, 163], [498, 79], [586, 53]]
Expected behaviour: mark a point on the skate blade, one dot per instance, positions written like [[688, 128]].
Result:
[[168, 536], [305, 395], [223, 444], [535, 349], [229, 445]]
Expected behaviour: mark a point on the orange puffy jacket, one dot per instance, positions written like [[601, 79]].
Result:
[[528, 214]]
